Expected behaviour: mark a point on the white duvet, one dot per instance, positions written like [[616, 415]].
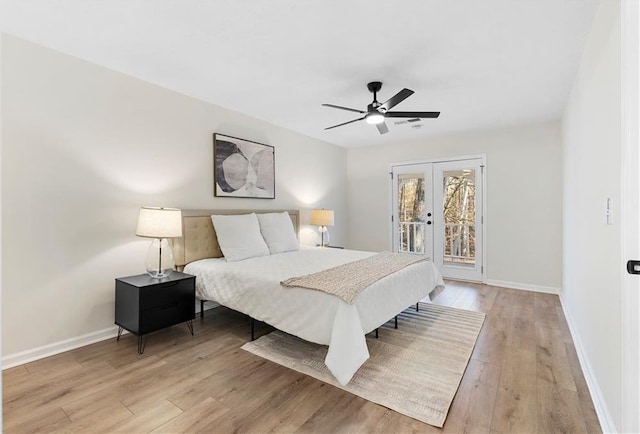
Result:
[[252, 286]]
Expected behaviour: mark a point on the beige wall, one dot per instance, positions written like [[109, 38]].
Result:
[[83, 148], [592, 249], [524, 198]]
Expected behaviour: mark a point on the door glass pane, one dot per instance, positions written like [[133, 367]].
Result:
[[411, 212], [459, 217]]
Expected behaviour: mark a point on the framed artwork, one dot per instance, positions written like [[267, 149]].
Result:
[[242, 168]]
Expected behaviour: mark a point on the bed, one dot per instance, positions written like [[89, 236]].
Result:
[[253, 286]]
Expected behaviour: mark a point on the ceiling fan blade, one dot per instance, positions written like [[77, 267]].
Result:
[[339, 125], [412, 114], [343, 108], [396, 99], [382, 128]]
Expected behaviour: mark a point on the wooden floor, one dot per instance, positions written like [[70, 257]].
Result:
[[523, 377]]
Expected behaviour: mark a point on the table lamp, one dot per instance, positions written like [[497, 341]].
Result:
[[161, 224], [322, 218]]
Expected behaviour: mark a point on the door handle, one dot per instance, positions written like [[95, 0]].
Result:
[[633, 267]]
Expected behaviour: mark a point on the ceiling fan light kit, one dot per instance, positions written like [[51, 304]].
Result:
[[374, 118], [376, 112]]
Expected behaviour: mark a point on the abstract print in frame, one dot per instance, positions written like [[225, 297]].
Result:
[[242, 168]]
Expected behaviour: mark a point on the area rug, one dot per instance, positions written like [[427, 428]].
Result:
[[414, 370]]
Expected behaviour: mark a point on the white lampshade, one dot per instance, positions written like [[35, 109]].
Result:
[[159, 222], [321, 217]]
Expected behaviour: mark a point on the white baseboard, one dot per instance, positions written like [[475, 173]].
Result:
[[604, 416], [58, 347], [524, 286], [48, 350], [208, 305]]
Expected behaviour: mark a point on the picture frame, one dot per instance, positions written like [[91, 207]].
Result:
[[243, 168]]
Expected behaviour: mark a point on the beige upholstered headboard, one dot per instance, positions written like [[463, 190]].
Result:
[[199, 238]]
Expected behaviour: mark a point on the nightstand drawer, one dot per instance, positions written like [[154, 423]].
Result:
[[160, 317], [166, 293]]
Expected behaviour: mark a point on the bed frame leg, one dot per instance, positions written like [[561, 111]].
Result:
[[418, 307], [253, 329], [376, 333], [201, 308], [396, 325]]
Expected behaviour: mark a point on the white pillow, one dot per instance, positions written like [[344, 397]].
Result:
[[239, 236], [277, 231]]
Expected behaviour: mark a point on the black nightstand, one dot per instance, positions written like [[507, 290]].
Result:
[[145, 304]]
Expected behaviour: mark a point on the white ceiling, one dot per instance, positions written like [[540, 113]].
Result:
[[483, 64]]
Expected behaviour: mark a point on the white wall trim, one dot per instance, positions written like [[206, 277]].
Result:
[[207, 305], [13, 360], [604, 416], [27, 356], [523, 286]]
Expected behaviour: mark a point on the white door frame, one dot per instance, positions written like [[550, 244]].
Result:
[[483, 158], [630, 212]]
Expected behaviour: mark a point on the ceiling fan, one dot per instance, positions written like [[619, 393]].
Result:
[[376, 112]]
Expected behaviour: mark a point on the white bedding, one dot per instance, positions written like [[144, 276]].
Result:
[[253, 287]]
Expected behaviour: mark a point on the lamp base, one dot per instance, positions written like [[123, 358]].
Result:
[[160, 261], [155, 274], [324, 236]]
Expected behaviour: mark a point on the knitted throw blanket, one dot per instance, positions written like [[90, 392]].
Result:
[[348, 280]]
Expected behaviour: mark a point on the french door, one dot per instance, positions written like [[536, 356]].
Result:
[[437, 211], [412, 211]]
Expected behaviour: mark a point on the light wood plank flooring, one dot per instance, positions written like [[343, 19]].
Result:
[[523, 377]]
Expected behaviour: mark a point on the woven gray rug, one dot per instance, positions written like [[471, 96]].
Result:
[[414, 370]]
